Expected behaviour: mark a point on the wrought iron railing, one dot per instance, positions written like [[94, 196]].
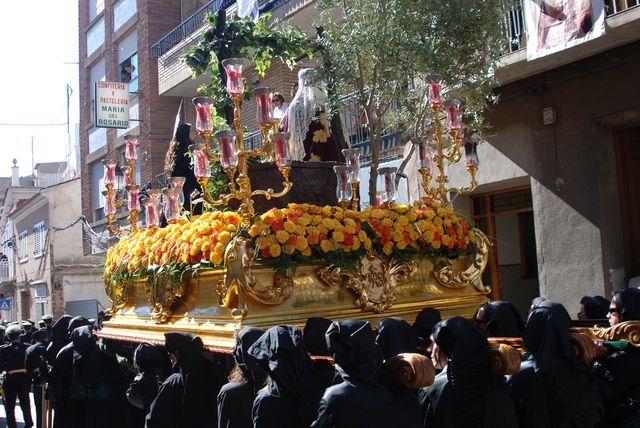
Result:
[[516, 28], [187, 27], [515, 25], [195, 21], [617, 6]]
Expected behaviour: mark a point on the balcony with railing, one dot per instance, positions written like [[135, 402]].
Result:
[[174, 77], [622, 26]]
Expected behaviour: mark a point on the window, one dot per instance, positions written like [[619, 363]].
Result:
[[122, 12], [38, 239], [4, 268], [128, 61], [95, 37], [97, 186], [97, 139], [23, 251], [95, 8], [41, 309]]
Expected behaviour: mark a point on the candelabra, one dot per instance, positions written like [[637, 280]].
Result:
[[232, 154], [431, 155], [437, 152], [112, 202]]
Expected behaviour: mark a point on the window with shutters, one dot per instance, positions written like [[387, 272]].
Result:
[[38, 239], [23, 251]]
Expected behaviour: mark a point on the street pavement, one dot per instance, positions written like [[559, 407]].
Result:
[[19, 418]]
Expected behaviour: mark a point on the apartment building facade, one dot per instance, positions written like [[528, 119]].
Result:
[[115, 40], [42, 230], [558, 174]]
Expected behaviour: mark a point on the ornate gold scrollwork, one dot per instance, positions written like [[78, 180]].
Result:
[[163, 294], [118, 292], [627, 330], [374, 280], [447, 276], [239, 281]]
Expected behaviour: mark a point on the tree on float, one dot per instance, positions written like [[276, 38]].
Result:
[[383, 51]]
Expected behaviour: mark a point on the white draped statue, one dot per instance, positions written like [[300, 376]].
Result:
[[303, 108]]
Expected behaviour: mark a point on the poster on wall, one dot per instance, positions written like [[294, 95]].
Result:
[[555, 25], [112, 105]]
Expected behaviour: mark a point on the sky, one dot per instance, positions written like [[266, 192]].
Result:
[[40, 53]]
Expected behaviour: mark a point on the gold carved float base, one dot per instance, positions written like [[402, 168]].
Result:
[[217, 304]]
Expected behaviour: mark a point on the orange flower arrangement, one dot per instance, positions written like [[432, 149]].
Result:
[[299, 233]]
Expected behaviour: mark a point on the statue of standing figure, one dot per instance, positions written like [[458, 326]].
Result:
[[307, 122]]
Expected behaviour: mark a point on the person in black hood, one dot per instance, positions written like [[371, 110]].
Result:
[[362, 399], [396, 336], [426, 319], [554, 388], [593, 308], [619, 369], [59, 338], [177, 162], [187, 398], [499, 319], [154, 366], [466, 393], [61, 388], [76, 322], [235, 399], [83, 345], [313, 337], [292, 394]]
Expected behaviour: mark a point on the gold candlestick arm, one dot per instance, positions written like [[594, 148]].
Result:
[[286, 184], [206, 196], [472, 185]]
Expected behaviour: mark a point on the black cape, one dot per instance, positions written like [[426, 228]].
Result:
[[186, 399], [572, 393], [503, 319], [468, 393], [362, 399], [316, 344], [292, 394], [619, 371], [235, 399], [59, 338], [396, 336]]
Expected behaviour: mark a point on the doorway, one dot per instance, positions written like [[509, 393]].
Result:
[[627, 142], [506, 217]]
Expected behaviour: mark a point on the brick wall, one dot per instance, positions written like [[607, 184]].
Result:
[[57, 296], [155, 18], [190, 6]]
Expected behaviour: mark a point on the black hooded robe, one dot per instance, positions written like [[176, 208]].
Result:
[[362, 399], [316, 344], [503, 319], [235, 399], [292, 394], [620, 371], [572, 395], [467, 393], [186, 399]]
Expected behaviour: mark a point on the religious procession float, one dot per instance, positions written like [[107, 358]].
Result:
[[263, 257]]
